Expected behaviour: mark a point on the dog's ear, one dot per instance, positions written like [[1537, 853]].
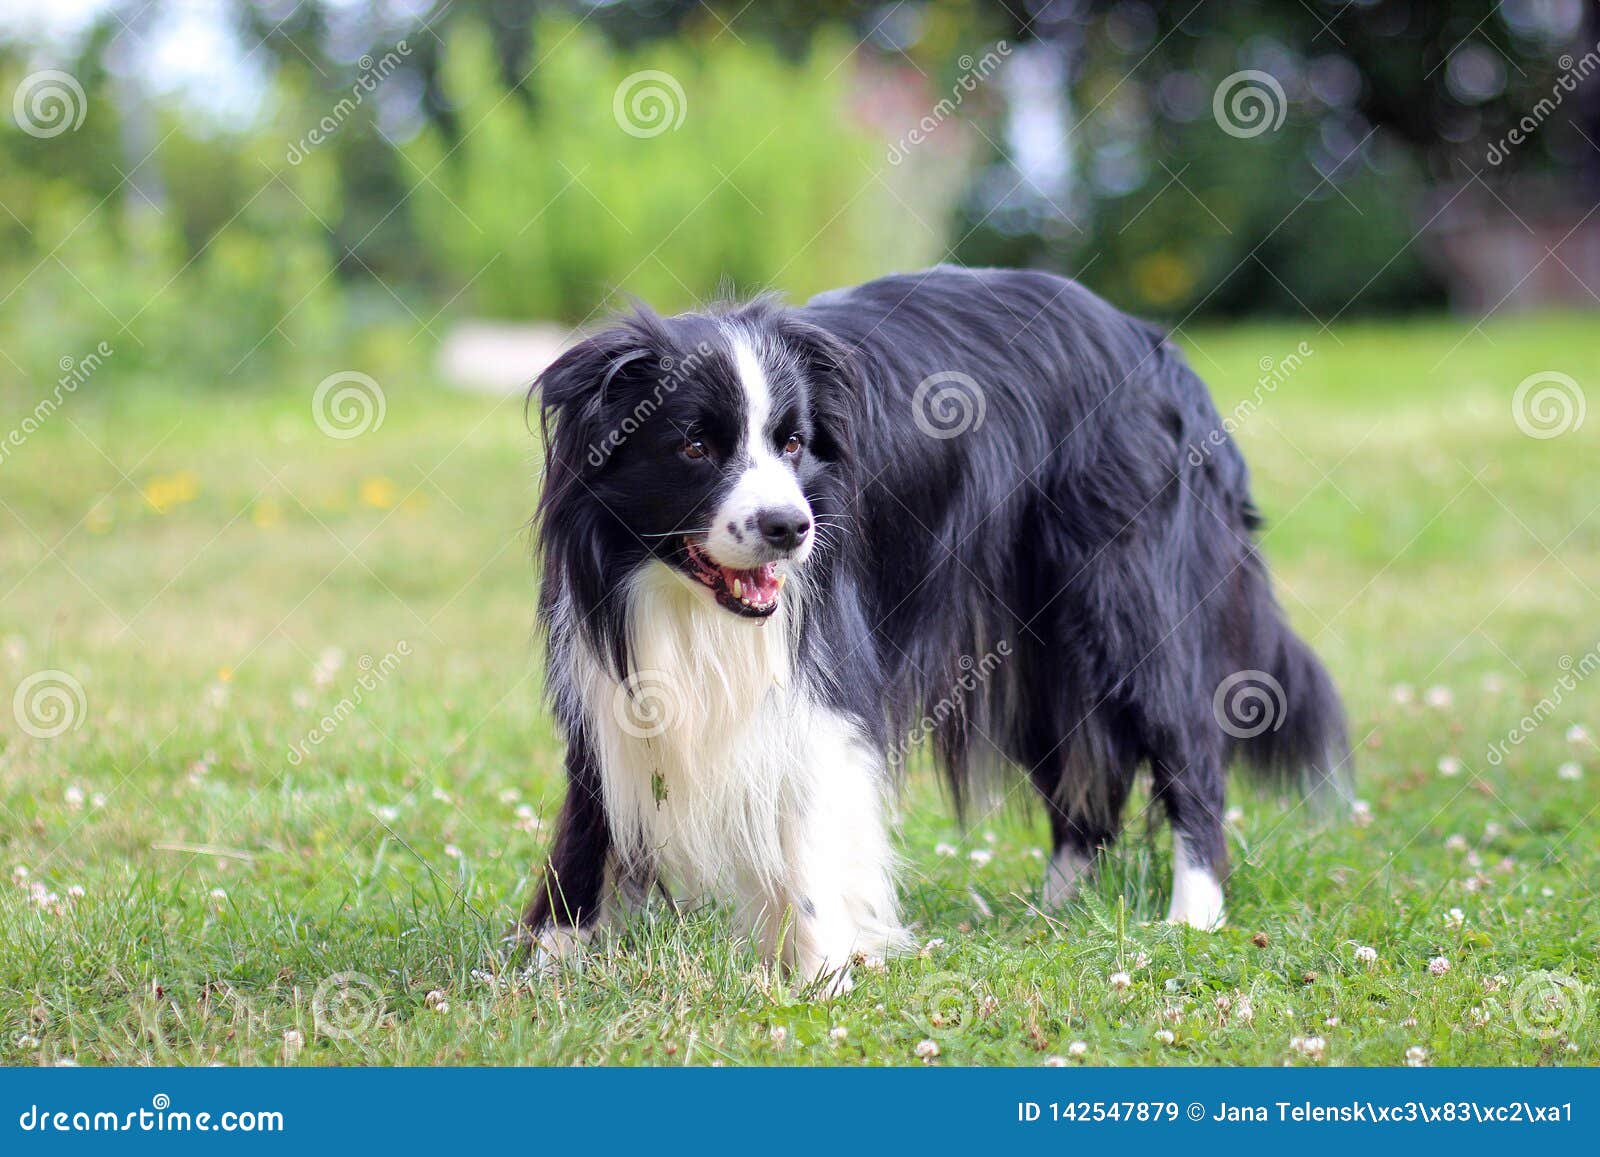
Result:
[[833, 370], [572, 395]]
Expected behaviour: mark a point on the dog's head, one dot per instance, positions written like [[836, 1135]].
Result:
[[715, 444]]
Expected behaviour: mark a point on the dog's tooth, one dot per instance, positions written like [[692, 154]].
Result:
[[738, 588]]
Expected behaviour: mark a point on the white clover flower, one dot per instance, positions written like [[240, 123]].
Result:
[[1055, 1062], [1570, 771], [1455, 843], [1438, 966], [1120, 981], [1366, 954], [1361, 813], [1577, 734], [293, 1041], [1244, 1010], [1455, 918], [1077, 1048], [76, 892], [944, 849], [1402, 694], [927, 1049], [1311, 1047], [19, 874], [1449, 765], [779, 1035], [838, 1033], [1439, 698], [1416, 1056], [980, 856], [74, 797], [1165, 1036], [452, 851]]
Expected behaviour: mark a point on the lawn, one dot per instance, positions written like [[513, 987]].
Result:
[[202, 868]]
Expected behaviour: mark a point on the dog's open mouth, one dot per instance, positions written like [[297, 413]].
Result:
[[753, 593]]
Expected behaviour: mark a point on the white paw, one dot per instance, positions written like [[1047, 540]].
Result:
[[1196, 899], [1063, 877], [557, 945]]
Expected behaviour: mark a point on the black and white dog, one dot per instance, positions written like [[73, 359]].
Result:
[[980, 505]]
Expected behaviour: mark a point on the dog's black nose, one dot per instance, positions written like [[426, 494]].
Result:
[[784, 528]]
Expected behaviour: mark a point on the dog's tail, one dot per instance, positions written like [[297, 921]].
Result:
[[1279, 706]]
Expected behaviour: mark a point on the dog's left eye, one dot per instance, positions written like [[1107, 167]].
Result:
[[793, 445]]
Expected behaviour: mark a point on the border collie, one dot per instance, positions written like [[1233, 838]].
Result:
[[977, 506]]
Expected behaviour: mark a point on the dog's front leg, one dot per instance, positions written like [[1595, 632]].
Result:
[[565, 910], [837, 899]]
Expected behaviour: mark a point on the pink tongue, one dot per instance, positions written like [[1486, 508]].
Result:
[[758, 586]]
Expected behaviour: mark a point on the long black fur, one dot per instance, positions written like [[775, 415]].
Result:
[[1077, 524]]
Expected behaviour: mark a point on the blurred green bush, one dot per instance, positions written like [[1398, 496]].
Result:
[[752, 174]]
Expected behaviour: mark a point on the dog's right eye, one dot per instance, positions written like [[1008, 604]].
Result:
[[693, 449]]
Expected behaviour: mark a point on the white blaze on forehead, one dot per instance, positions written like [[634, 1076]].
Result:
[[767, 483], [757, 393]]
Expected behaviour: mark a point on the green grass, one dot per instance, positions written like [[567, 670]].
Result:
[[1418, 536]]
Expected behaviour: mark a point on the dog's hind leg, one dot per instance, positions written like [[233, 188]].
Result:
[[1085, 816], [1189, 782]]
